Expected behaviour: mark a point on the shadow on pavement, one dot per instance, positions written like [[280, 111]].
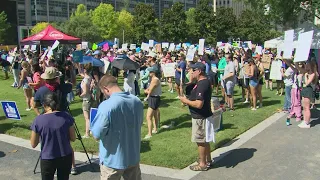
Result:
[[85, 167], [2, 154], [235, 157], [315, 114]]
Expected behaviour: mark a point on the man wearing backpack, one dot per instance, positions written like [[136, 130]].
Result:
[[50, 76]]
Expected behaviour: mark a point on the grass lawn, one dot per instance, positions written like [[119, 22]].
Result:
[[170, 148]]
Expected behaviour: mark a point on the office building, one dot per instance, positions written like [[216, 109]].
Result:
[[237, 6]]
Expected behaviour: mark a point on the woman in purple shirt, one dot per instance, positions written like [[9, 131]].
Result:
[[56, 130]]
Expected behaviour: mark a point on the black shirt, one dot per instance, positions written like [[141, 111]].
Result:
[[201, 91]]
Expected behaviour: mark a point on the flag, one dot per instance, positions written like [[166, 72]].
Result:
[[94, 46]]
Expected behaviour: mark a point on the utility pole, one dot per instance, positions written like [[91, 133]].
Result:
[[214, 6]]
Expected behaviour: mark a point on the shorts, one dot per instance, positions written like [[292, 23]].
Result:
[[307, 92], [198, 130], [253, 83], [177, 81], [86, 105], [131, 172], [154, 102], [5, 68], [245, 82], [26, 86], [267, 75], [213, 78], [229, 88]]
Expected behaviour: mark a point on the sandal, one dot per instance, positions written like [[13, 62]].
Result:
[[209, 163], [198, 168]]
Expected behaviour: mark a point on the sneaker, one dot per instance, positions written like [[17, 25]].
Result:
[[154, 131], [171, 91], [85, 137], [277, 93], [246, 102], [253, 109], [73, 171], [28, 109], [303, 124], [177, 97], [147, 137], [288, 122]]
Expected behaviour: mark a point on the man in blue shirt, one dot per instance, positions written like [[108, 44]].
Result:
[[118, 127], [180, 71]]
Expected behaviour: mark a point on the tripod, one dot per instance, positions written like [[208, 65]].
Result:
[[78, 137]]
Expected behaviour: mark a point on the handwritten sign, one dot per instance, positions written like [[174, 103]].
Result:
[[190, 54], [266, 60], [171, 47], [145, 46], [165, 45], [133, 46], [275, 72], [304, 45], [201, 46], [169, 69], [288, 44], [84, 45]]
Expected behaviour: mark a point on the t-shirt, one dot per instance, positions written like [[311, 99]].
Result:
[[182, 65], [289, 77], [201, 91], [54, 134], [64, 90], [221, 65], [86, 82], [37, 78], [229, 69]]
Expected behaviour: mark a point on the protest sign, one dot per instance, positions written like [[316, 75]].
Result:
[[33, 47], [145, 46], [10, 109], [304, 45], [165, 45], [258, 50], [288, 44], [84, 45], [50, 52], [77, 56], [158, 48], [275, 73], [124, 47], [25, 47], [105, 47], [219, 44], [266, 60], [116, 42], [133, 46], [44, 54], [93, 113], [10, 59], [171, 47], [227, 48], [106, 65], [201, 46], [151, 43], [190, 54], [54, 46], [169, 69]]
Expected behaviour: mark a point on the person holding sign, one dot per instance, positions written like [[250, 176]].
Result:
[[180, 73], [260, 67], [25, 79], [229, 80]]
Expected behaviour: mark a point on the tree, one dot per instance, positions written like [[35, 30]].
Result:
[[145, 23], [225, 24], [205, 22], [191, 25], [4, 26], [125, 23], [39, 27], [173, 24], [80, 25], [254, 27], [104, 18]]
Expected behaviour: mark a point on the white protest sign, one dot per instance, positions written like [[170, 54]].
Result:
[[44, 54], [106, 65], [54, 46], [26, 47], [288, 44], [184, 46], [145, 46], [15, 49], [169, 69], [165, 45], [275, 72], [49, 53], [124, 46], [171, 47], [279, 49], [33, 47], [219, 44], [201, 46], [190, 54], [151, 43], [227, 48], [304, 45], [10, 59], [116, 41], [249, 44], [84, 45], [133, 46], [258, 50]]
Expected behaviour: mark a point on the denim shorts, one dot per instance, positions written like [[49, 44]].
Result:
[[253, 83]]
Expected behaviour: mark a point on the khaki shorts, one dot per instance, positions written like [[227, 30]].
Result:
[[198, 130], [131, 173], [86, 105]]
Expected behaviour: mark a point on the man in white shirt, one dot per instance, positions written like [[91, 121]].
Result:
[[229, 80]]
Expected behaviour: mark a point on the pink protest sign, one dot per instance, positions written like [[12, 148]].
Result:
[[105, 47]]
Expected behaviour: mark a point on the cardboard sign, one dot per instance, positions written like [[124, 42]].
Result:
[[133, 46], [33, 47], [201, 46], [275, 73], [190, 54], [266, 60], [84, 45], [124, 47], [304, 45], [288, 44], [158, 48], [77, 56], [151, 43], [169, 69], [172, 47], [93, 114], [145, 46], [165, 45], [10, 109]]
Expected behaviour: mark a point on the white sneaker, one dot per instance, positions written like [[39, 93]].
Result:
[[303, 124], [171, 91], [28, 109], [85, 137], [154, 132], [253, 109], [177, 97], [246, 102], [147, 137]]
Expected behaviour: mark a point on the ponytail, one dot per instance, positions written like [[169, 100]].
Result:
[[51, 100]]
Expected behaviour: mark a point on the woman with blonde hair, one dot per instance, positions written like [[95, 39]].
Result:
[[25, 78]]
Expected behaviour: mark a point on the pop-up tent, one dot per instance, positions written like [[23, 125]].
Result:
[[305, 27], [48, 36]]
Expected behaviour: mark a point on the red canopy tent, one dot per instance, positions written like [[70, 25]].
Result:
[[48, 36]]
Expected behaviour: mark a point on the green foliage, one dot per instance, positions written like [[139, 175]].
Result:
[[125, 22], [173, 25], [225, 24], [191, 25], [205, 22], [4, 26], [145, 23], [80, 25], [39, 27], [104, 18]]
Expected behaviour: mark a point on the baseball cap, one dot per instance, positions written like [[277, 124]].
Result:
[[198, 65], [97, 52]]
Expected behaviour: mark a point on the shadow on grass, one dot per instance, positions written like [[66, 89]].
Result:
[[75, 112], [232, 158], [2, 118], [2, 154], [7, 126]]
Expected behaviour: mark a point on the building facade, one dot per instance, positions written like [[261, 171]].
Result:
[[237, 6]]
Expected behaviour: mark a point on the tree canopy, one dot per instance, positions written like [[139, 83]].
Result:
[[4, 26]]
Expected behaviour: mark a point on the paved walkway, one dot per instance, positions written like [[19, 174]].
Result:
[[278, 153]]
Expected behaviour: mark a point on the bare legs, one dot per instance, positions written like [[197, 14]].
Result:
[[306, 110], [253, 97], [28, 96], [259, 94], [204, 154], [153, 114], [86, 117]]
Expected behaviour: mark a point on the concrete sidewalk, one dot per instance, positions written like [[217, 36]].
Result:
[[278, 153]]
